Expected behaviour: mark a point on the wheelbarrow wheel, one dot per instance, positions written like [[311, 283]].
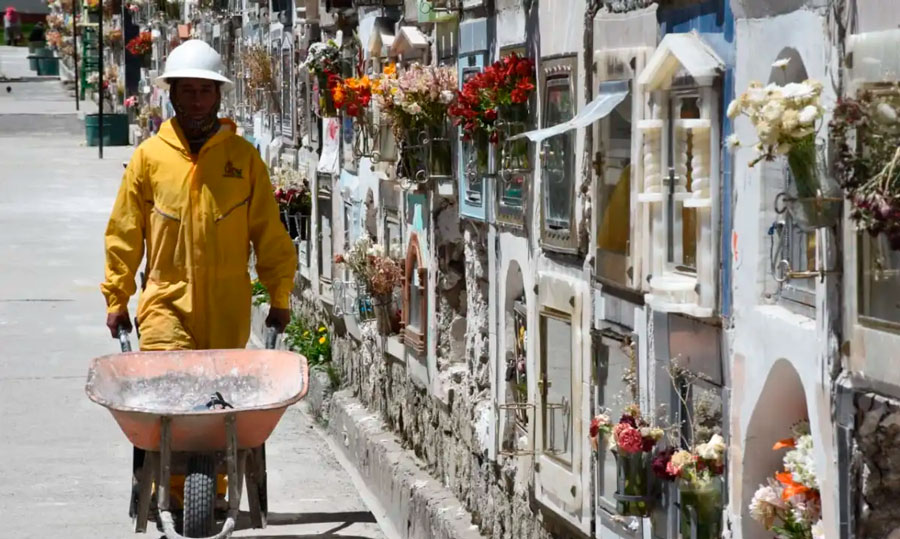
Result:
[[200, 497]]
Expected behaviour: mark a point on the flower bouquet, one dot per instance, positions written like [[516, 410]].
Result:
[[790, 504], [633, 439], [323, 60], [784, 118], [377, 276], [353, 96], [294, 199], [698, 476], [415, 102], [141, 45], [868, 167], [492, 102], [501, 92]]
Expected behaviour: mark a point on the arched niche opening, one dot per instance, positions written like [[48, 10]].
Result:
[[792, 245], [780, 405], [514, 366], [794, 71]]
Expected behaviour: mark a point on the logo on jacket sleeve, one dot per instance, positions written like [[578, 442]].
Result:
[[231, 171]]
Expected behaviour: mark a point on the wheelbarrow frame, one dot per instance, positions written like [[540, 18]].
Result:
[[241, 465]]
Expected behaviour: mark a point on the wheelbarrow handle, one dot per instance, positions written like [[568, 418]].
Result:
[[271, 338], [124, 342]]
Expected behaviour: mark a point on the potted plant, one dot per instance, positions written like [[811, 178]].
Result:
[[415, 102], [697, 473], [141, 46], [867, 138], [633, 440], [784, 118], [377, 277], [323, 60], [790, 505], [492, 107], [115, 118]]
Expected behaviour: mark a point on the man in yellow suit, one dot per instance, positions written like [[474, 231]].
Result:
[[197, 195]]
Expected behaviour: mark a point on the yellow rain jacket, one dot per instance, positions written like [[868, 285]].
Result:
[[197, 215]]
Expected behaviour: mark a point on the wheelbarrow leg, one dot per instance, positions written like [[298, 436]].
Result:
[[256, 487], [145, 484]]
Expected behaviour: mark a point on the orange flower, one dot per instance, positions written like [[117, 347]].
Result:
[[390, 69], [787, 442], [791, 488]]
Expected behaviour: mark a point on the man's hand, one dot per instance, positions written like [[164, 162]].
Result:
[[114, 320], [278, 319]]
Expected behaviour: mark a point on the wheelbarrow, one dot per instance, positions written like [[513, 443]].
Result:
[[199, 413]]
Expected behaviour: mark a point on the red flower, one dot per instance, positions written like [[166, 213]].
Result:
[[495, 138], [525, 85], [524, 68], [518, 96], [353, 109], [490, 115]]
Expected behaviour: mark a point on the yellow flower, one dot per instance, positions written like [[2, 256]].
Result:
[[306, 334], [390, 69], [322, 329], [322, 339]]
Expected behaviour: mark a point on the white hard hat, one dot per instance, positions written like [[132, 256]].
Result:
[[193, 59]]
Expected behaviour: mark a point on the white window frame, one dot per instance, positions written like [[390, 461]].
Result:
[[612, 65], [672, 288], [563, 488]]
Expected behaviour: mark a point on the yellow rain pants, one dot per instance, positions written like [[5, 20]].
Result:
[[197, 216]]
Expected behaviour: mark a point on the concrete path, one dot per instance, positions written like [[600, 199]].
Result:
[[65, 465]]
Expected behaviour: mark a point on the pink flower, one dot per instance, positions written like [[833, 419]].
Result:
[[630, 440], [131, 101], [672, 470]]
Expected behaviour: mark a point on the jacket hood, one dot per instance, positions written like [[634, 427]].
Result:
[[171, 133]]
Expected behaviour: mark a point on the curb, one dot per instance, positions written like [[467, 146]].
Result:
[[415, 503]]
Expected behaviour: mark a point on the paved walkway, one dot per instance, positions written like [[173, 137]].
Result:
[[66, 466]]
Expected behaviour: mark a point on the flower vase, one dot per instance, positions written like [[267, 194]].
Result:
[[386, 316], [817, 201], [701, 509], [514, 121], [326, 100], [145, 60], [478, 158], [440, 163], [632, 484]]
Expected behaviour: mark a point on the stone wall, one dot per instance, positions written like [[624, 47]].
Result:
[[876, 439], [447, 435]]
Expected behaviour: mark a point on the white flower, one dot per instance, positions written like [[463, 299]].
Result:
[[790, 120], [713, 449], [412, 108], [773, 110], [886, 113], [734, 108], [763, 505], [800, 461], [447, 96], [808, 115], [733, 141], [782, 62]]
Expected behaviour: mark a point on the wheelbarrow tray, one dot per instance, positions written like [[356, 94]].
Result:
[[141, 388]]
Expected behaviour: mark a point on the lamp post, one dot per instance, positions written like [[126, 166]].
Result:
[[75, 49], [100, 78]]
